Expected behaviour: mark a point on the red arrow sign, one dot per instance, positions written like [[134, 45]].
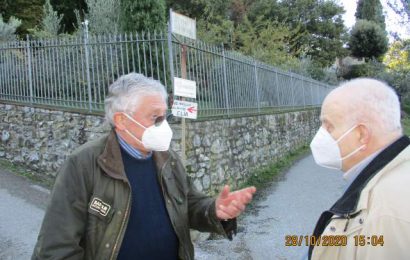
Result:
[[191, 109]]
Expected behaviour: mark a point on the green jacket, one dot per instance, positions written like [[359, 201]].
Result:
[[90, 205]]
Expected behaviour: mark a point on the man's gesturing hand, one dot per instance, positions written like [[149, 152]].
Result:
[[231, 204]]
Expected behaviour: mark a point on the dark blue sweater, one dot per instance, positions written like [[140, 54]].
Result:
[[149, 233]]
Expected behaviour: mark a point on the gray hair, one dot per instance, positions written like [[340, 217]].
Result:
[[375, 102], [125, 94]]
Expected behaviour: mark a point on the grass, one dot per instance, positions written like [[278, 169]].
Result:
[[43, 180], [263, 177]]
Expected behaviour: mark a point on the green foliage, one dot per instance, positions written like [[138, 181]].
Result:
[[358, 71], [24, 170], [368, 40], [371, 10], [405, 121], [142, 15], [68, 7], [406, 107], [318, 29], [50, 24], [103, 16], [29, 12], [397, 61], [315, 28], [220, 31], [265, 41], [397, 57], [327, 34], [400, 81], [7, 30], [207, 10]]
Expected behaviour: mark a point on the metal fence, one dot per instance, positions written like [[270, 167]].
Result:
[[75, 72]]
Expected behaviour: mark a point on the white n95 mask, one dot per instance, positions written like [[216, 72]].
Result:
[[325, 150], [156, 137]]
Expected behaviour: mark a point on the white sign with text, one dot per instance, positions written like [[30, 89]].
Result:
[[183, 25], [185, 109], [184, 88]]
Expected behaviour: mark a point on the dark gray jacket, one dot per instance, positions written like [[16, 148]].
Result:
[[90, 205]]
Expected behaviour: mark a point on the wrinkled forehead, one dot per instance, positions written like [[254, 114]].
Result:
[[151, 103]]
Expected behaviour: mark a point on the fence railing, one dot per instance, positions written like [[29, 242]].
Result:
[[76, 71]]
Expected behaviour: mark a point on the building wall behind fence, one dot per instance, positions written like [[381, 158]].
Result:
[[218, 151]]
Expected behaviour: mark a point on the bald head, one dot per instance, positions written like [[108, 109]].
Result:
[[367, 101], [369, 111]]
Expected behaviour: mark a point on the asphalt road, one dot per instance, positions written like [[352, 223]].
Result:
[[22, 206], [290, 206]]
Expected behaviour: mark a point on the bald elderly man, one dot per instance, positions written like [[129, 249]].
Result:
[[361, 135]]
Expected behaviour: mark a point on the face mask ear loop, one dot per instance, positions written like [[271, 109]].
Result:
[[129, 133], [133, 136], [133, 120], [347, 132], [352, 153]]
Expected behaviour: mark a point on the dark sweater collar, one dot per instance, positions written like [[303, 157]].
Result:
[[348, 202]]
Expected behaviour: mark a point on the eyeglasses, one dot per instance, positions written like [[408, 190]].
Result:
[[158, 121]]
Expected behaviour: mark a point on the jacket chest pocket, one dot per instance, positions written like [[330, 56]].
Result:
[[176, 200], [100, 213]]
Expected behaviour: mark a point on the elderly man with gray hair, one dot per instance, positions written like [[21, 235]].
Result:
[[361, 135], [126, 195]]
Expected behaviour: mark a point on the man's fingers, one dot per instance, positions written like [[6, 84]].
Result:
[[244, 197], [247, 197], [251, 190], [238, 205], [225, 192]]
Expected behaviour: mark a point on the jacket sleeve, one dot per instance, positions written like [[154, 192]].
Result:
[[62, 230], [393, 232], [202, 214]]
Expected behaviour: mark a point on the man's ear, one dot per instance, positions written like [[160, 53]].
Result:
[[365, 134], [119, 120]]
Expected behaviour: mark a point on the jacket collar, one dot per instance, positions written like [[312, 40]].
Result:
[[110, 159]]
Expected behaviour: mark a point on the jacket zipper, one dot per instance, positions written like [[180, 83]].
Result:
[[122, 226], [165, 197], [347, 216]]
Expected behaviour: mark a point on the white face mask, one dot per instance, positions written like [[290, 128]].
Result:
[[154, 138], [325, 150]]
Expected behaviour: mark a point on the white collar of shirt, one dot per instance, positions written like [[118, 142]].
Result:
[[351, 174]]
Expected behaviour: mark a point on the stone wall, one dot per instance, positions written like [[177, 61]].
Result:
[[218, 151]]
